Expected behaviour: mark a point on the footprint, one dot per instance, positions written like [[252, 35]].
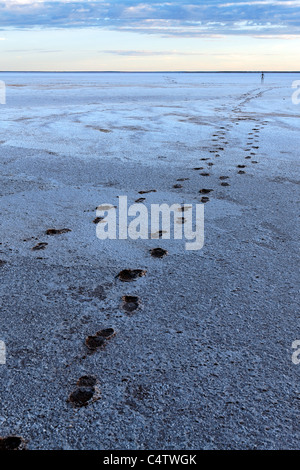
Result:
[[205, 191], [12, 443], [81, 396], [241, 166], [177, 186], [130, 303], [98, 219], [141, 199], [39, 246], [148, 191], [184, 208], [129, 275], [158, 252], [94, 342], [223, 177], [198, 168], [204, 174], [204, 199], [106, 208], [241, 172], [225, 184], [106, 333], [183, 179], [54, 231], [87, 381], [158, 234]]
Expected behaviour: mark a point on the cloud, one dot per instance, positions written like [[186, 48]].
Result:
[[136, 53], [185, 18]]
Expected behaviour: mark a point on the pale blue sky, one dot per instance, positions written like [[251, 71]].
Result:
[[148, 36]]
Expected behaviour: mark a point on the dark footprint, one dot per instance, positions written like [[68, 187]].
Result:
[[39, 246], [177, 186], [128, 275], [81, 396], [98, 219], [247, 158], [241, 172], [94, 342], [241, 166], [2, 262], [158, 252], [253, 161], [183, 179], [148, 191], [204, 174], [87, 381], [106, 333], [210, 163], [204, 159], [217, 155], [205, 191], [204, 199], [130, 303], [54, 231], [225, 184], [223, 177], [141, 199], [12, 443], [198, 168]]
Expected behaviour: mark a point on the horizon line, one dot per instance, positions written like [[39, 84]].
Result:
[[150, 71]]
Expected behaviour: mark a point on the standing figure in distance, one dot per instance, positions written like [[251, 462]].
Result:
[[262, 77]]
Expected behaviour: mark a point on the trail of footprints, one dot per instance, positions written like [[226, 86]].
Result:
[[219, 144], [87, 390]]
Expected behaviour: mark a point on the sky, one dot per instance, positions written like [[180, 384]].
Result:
[[129, 35]]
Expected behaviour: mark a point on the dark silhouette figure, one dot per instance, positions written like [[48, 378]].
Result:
[[262, 77]]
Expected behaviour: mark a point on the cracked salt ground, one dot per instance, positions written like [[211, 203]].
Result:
[[216, 352]]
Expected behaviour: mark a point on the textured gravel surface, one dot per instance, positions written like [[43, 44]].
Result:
[[200, 356]]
